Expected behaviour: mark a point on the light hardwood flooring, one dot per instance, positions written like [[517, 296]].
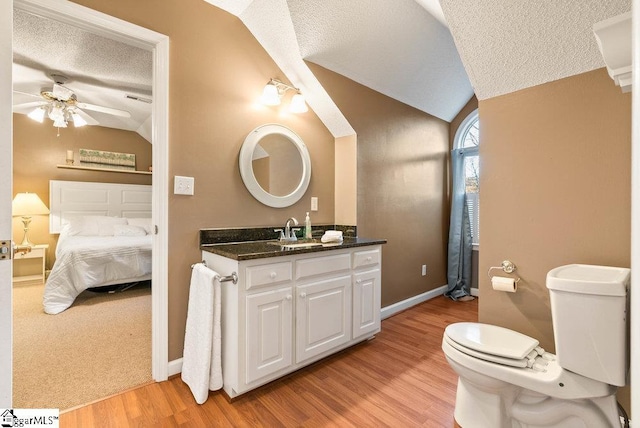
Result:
[[399, 379]]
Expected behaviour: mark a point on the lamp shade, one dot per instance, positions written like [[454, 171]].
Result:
[[28, 204], [270, 95], [298, 104], [78, 121], [37, 114]]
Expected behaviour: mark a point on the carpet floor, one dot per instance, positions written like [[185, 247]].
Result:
[[100, 346]]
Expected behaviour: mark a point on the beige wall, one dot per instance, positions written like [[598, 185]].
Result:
[[37, 150], [556, 183], [346, 185], [402, 175], [217, 71]]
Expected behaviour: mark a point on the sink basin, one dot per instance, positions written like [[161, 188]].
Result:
[[296, 244]]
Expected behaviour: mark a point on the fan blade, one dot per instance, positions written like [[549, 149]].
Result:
[[90, 120], [26, 107], [27, 93], [107, 110]]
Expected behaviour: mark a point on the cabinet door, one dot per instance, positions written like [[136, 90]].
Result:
[[269, 332], [366, 303], [323, 316]]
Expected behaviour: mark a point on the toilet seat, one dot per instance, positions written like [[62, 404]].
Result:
[[492, 343], [544, 376]]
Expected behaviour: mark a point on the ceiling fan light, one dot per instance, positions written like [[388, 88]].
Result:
[[37, 115], [60, 122], [298, 104], [78, 121], [270, 95], [56, 113]]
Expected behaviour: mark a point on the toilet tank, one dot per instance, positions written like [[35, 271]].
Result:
[[590, 315]]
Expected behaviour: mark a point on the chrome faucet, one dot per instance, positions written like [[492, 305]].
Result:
[[290, 234]]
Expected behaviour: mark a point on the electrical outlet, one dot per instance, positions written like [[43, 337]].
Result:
[[183, 185], [314, 203], [424, 270]]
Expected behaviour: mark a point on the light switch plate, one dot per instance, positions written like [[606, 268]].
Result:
[[183, 185], [314, 203]]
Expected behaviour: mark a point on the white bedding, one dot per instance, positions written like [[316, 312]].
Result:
[[92, 261]]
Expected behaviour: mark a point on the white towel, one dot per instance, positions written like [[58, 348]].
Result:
[[202, 362], [332, 236]]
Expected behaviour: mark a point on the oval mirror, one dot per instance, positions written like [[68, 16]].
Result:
[[275, 165]]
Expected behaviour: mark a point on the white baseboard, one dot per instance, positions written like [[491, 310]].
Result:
[[475, 292], [175, 367], [390, 310]]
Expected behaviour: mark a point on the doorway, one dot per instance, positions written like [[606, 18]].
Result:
[[124, 32]]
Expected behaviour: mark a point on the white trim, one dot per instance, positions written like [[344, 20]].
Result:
[[175, 367], [463, 128], [6, 175], [475, 291], [635, 214], [393, 309], [125, 32]]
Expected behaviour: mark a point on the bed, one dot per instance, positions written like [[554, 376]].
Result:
[[105, 239]]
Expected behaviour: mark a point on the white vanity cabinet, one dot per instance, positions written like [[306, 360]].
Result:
[[286, 312]]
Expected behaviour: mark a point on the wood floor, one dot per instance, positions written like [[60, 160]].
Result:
[[399, 379]]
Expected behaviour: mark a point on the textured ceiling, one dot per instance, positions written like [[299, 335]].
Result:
[[508, 45], [101, 71], [403, 52]]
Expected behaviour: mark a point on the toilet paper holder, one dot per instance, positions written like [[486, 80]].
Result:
[[507, 266]]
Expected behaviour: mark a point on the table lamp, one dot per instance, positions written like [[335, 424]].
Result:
[[26, 205]]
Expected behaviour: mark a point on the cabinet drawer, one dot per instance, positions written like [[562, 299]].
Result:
[[321, 265], [366, 258], [264, 275]]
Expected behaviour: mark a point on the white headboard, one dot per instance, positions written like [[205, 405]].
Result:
[[76, 198]]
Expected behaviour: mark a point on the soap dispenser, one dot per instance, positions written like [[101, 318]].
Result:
[[307, 227]]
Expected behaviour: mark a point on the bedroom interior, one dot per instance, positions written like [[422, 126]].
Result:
[[49, 161], [540, 180]]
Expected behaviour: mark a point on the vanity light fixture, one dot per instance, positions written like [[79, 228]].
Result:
[[273, 92]]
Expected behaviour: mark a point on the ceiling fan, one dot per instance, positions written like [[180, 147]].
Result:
[[61, 105]]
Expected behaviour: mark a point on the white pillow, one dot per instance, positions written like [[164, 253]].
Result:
[[144, 223], [128, 230], [94, 225]]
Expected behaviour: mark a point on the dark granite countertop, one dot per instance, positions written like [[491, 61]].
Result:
[[262, 249]]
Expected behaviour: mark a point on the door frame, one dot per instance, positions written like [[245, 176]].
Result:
[[131, 34]]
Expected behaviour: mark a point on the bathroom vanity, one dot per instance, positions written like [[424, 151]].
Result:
[[292, 307]]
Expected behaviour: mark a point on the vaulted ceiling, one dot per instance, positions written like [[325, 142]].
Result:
[[431, 55]]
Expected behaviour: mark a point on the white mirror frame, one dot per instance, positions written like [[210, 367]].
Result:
[[246, 169]]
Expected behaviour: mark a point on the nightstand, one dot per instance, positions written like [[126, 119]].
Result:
[[28, 268]]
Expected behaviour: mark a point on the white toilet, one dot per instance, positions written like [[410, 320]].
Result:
[[507, 380]]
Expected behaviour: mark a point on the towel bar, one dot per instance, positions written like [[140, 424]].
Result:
[[233, 277]]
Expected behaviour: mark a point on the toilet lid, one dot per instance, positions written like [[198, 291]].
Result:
[[491, 339]]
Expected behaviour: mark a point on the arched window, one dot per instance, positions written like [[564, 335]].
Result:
[[467, 139]]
